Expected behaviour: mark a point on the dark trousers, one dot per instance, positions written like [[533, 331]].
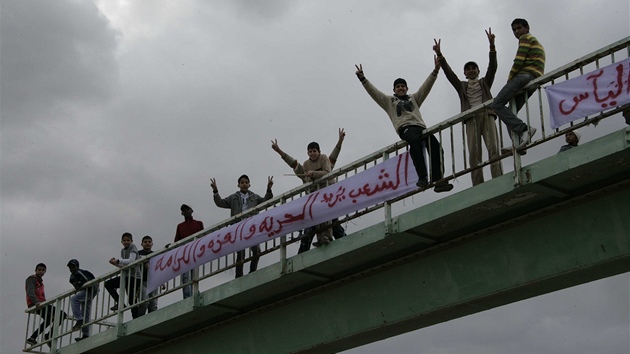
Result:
[[307, 239], [47, 313], [253, 263], [412, 134], [133, 287]]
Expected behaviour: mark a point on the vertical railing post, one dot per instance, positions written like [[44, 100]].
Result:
[[195, 288], [283, 248], [120, 329], [515, 153], [56, 324], [387, 207]]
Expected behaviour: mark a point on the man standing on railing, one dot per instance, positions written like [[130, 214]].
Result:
[[239, 202], [471, 93], [404, 112], [81, 301], [186, 228], [529, 64], [35, 296]]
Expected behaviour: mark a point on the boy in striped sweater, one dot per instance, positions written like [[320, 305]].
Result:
[[529, 63]]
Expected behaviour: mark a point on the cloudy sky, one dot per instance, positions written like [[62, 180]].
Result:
[[114, 113]]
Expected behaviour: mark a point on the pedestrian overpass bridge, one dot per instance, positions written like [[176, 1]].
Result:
[[556, 222]]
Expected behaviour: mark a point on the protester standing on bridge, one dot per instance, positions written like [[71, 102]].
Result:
[[186, 228], [404, 112], [572, 138], [240, 201], [81, 301], [529, 63], [151, 305], [128, 254], [35, 296], [337, 230], [472, 92], [317, 166]]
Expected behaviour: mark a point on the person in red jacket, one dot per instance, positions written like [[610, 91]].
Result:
[[187, 228], [35, 296]]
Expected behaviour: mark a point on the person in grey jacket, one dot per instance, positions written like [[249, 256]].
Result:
[[239, 202]]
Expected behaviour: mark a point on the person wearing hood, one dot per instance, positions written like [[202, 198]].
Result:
[[404, 112], [572, 138]]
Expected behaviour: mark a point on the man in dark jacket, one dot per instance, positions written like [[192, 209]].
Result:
[[81, 301]]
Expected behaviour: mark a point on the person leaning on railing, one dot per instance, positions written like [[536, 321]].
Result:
[[128, 254], [35, 296], [81, 301]]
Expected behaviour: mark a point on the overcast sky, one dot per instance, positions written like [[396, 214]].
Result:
[[114, 113]]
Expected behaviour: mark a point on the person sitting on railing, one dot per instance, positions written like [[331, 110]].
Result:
[[184, 229], [240, 201], [35, 296], [317, 166], [572, 138], [529, 64], [81, 301], [128, 254], [472, 92], [404, 112]]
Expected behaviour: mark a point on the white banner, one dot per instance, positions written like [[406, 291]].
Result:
[[591, 93], [380, 183]]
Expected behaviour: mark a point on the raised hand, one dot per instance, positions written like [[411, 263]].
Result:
[[359, 71], [213, 184], [269, 182], [437, 47], [490, 36], [275, 146], [342, 135]]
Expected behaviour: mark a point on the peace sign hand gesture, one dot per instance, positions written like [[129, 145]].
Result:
[[359, 71]]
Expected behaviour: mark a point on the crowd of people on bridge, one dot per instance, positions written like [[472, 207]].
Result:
[[402, 109]]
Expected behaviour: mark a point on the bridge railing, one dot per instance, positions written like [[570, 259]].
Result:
[[105, 314]]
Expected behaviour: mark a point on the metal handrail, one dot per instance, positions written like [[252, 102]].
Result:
[[62, 334]]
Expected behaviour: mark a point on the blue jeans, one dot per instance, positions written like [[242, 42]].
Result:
[[82, 306], [151, 305], [187, 289], [505, 96]]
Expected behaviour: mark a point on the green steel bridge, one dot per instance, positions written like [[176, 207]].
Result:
[[557, 222]]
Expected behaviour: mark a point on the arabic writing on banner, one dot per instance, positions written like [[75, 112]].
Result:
[[385, 181], [591, 93]]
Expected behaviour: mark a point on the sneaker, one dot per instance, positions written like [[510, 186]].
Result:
[[526, 136], [422, 182], [46, 338], [81, 338], [115, 307], [321, 242], [31, 341], [443, 187], [507, 150], [77, 325]]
